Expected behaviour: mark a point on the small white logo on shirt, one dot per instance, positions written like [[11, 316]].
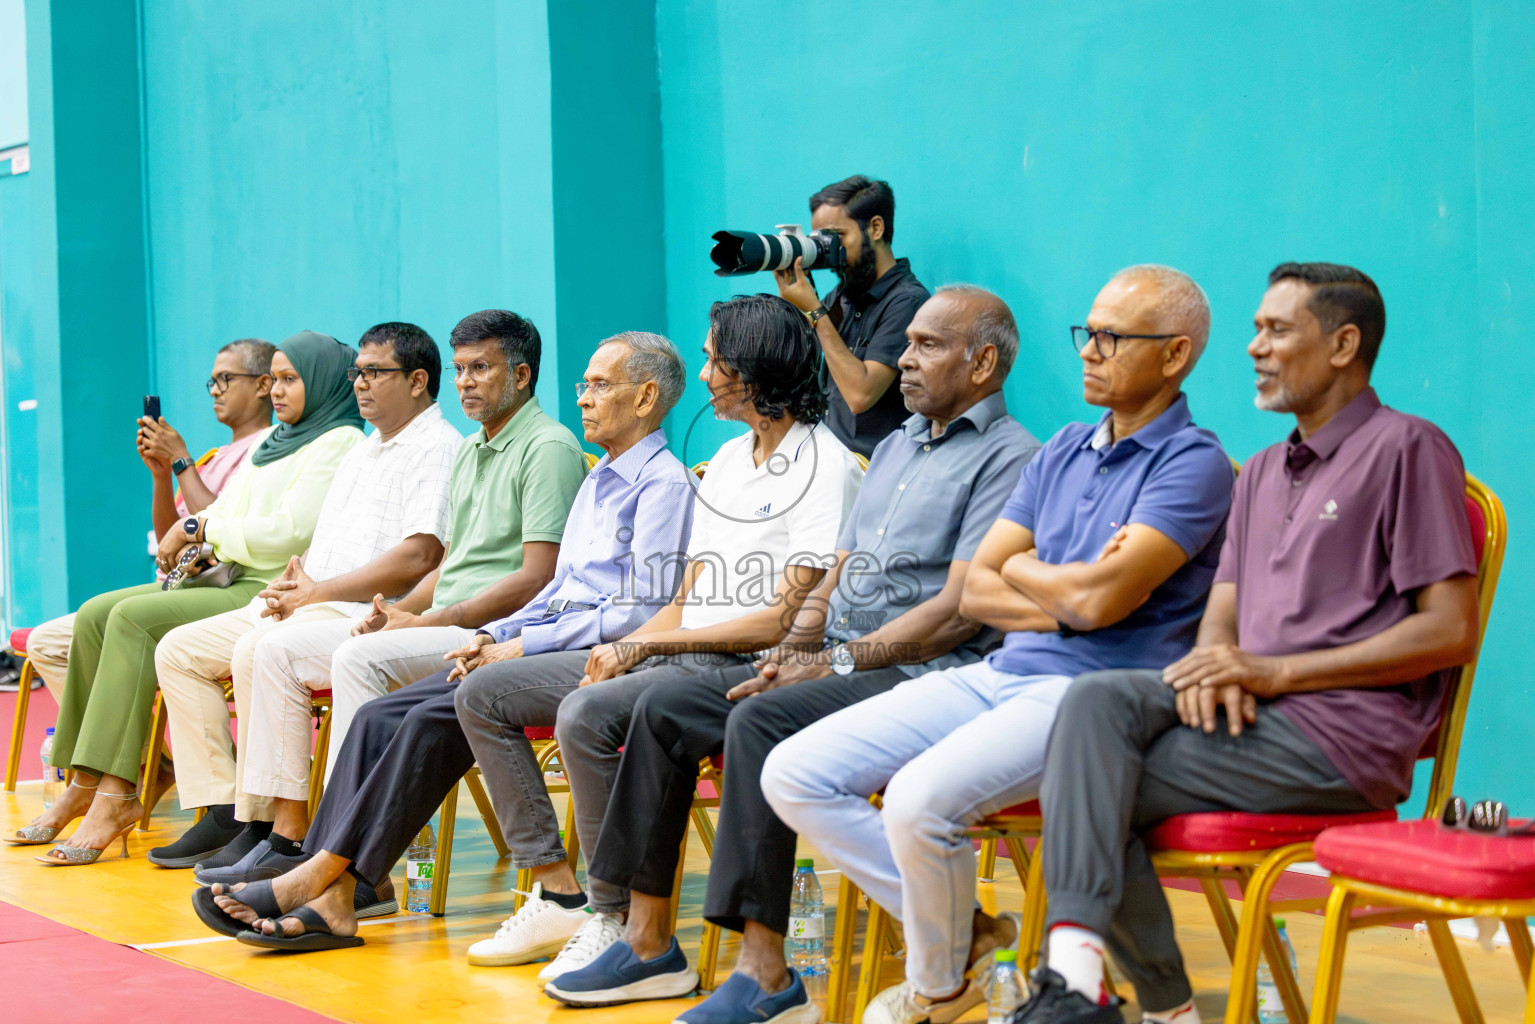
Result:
[[1329, 510], [762, 512]]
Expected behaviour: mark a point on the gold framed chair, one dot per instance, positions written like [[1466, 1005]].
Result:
[[18, 647]]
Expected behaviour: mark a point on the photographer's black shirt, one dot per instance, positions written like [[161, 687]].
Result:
[[874, 327]]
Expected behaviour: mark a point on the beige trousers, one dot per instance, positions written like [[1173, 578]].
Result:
[[292, 663], [48, 650], [193, 662]]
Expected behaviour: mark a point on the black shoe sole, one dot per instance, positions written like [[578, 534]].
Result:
[[180, 862]]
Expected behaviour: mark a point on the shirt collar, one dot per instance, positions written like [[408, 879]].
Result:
[[518, 423], [1350, 418], [980, 415], [1171, 420], [629, 464], [877, 290], [423, 421]]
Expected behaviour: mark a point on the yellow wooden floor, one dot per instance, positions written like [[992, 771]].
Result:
[[413, 968]]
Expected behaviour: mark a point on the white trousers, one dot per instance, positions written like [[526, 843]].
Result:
[[48, 650], [289, 665], [192, 663], [948, 748]]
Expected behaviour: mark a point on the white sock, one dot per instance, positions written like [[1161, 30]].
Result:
[[1076, 954], [1188, 1013]]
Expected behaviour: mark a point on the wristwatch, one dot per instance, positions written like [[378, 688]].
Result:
[[815, 315], [180, 466], [842, 661], [189, 526]]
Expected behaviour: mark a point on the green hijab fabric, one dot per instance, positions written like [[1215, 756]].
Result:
[[329, 402]]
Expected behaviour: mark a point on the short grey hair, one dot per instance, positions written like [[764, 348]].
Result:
[[993, 325], [255, 355], [1183, 306], [652, 357]]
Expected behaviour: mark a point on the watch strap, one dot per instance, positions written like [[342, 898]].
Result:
[[180, 466], [816, 315]]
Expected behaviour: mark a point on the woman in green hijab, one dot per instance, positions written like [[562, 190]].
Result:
[[265, 515]]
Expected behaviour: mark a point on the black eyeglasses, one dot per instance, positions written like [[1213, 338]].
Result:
[[219, 382], [1490, 816], [370, 373], [1107, 342]]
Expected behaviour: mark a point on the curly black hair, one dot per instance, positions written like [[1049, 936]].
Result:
[[772, 346]]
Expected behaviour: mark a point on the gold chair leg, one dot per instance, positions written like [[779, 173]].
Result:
[[1255, 933], [986, 863], [446, 819], [705, 826], [875, 937], [1329, 971], [1519, 938], [1529, 1001], [708, 956], [1031, 933], [488, 815], [318, 764], [154, 745], [1454, 969], [19, 726], [682, 856], [1220, 909], [843, 933], [572, 837]]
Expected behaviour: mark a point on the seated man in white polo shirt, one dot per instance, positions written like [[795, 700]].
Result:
[[765, 527], [380, 530]]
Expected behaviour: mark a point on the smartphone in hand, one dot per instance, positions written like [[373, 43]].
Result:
[[152, 407]]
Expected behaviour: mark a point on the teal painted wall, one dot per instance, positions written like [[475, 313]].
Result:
[[26, 527], [1034, 149], [13, 73]]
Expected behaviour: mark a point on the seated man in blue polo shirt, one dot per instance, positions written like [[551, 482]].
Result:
[[1103, 556]]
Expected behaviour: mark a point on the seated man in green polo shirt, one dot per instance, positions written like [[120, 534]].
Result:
[[511, 488]]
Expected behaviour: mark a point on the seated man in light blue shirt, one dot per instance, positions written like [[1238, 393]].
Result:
[[1103, 556], [618, 564]]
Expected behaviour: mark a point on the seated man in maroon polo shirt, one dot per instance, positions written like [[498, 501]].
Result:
[[1346, 592]]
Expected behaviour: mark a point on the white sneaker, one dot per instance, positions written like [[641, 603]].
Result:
[[598, 933], [898, 1004], [541, 928]]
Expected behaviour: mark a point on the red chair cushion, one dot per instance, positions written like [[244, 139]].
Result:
[[1027, 809], [19, 640], [320, 694], [1424, 856], [1233, 831], [535, 735]]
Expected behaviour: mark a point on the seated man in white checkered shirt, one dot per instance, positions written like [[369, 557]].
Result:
[[381, 529]]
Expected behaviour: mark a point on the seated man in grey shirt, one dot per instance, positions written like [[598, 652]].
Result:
[[888, 611]]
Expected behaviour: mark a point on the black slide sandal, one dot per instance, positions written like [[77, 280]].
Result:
[[315, 937], [258, 896]]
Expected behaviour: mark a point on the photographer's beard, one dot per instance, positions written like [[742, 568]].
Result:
[[859, 277]]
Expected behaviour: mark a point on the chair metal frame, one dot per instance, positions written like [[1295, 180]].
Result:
[[19, 722], [1257, 872]]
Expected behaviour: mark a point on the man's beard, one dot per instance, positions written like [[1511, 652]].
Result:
[[859, 277]]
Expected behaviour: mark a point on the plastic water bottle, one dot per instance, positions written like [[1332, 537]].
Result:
[[1006, 992], [806, 942], [53, 778], [1270, 1006], [419, 861]]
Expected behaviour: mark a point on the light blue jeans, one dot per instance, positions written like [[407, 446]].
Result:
[[948, 748]]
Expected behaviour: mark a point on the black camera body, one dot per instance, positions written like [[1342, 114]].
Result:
[[746, 252]]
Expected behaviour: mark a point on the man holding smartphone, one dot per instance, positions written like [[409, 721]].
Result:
[[238, 385]]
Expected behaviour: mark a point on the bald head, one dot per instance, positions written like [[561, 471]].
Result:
[[985, 320], [960, 346], [1177, 304]]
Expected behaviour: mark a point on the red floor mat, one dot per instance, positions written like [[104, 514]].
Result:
[[49, 971]]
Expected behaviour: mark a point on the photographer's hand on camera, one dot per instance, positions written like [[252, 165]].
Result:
[[795, 286]]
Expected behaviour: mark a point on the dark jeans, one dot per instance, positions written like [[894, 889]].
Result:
[[1119, 762], [675, 725]]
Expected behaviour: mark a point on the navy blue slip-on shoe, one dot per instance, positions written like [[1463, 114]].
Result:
[[741, 1001], [261, 863], [618, 976]]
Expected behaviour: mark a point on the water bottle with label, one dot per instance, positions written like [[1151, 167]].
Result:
[[805, 944], [53, 778], [1270, 1006], [419, 861], [1006, 993]]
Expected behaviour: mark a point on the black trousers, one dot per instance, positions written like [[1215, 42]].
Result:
[[404, 752], [676, 724]]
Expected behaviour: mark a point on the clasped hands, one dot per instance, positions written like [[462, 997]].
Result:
[[1223, 675], [482, 649]]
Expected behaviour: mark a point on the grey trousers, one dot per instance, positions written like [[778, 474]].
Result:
[[592, 726], [1120, 761]]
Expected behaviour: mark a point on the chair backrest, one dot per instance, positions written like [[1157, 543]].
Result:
[[1489, 535], [863, 463], [592, 460], [202, 460], [698, 470]]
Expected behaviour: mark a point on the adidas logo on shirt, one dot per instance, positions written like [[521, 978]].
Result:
[[762, 512]]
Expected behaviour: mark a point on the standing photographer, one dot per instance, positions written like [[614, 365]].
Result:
[[862, 323]]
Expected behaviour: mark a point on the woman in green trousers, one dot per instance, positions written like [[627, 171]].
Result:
[[263, 517]]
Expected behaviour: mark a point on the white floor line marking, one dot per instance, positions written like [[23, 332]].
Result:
[[230, 938]]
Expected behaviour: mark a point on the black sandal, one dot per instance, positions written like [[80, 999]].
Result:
[[315, 937], [256, 895]]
